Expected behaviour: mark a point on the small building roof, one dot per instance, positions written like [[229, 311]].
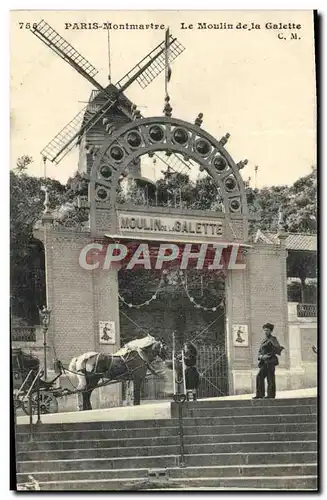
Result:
[[294, 241]]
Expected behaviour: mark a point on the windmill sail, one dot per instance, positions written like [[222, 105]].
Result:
[[67, 138], [66, 51], [152, 70], [144, 73]]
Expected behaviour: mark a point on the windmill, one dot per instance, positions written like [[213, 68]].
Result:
[[105, 102]]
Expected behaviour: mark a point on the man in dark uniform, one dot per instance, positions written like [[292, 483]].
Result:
[[192, 376], [268, 352]]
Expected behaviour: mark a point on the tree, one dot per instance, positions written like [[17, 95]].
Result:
[[26, 206], [298, 203], [23, 162]]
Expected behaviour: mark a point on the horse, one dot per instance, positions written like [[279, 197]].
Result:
[[129, 363]]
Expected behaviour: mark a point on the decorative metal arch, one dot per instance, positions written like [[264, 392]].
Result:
[[149, 135]]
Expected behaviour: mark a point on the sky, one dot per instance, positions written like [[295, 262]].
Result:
[[247, 82]]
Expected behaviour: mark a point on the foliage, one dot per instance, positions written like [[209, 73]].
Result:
[[26, 206], [297, 202], [298, 293], [23, 162]]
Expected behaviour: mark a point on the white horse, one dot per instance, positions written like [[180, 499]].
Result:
[[131, 362]]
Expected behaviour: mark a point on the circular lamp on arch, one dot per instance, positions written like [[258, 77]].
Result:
[[230, 183], [156, 133], [134, 139], [180, 136], [116, 153], [105, 171], [202, 147], [220, 163], [235, 205], [102, 194]]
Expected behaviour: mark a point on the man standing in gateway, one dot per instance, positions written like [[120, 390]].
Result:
[[268, 352]]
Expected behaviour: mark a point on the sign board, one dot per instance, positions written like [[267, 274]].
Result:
[[240, 335], [107, 332], [173, 225]]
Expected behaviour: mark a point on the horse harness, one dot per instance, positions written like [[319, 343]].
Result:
[[100, 357]]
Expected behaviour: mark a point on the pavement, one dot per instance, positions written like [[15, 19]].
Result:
[[156, 410], [311, 392]]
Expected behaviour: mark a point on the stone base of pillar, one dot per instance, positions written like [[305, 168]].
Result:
[[244, 381]]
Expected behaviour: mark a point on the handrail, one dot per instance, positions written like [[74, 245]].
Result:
[[23, 384], [37, 376]]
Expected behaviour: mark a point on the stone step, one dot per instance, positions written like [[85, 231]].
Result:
[[233, 412], [246, 419], [257, 405], [132, 484], [144, 451], [243, 403], [271, 428], [252, 458], [159, 440], [203, 421], [43, 435], [82, 426], [223, 471], [251, 428], [207, 459]]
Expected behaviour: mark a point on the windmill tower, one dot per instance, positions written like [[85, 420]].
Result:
[[108, 108]]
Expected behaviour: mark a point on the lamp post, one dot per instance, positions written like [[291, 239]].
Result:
[[45, 321]]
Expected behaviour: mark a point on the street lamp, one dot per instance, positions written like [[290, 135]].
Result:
[[45, 321]]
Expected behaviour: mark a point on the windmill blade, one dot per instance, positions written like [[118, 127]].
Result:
[[151, 65], [64, 142], [144, 73], [175, 162], [44, 32]]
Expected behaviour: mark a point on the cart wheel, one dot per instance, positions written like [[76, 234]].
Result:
[[48, 403]]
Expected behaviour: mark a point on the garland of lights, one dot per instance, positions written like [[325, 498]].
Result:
[[192, 300], [147, 302], [154, 296]]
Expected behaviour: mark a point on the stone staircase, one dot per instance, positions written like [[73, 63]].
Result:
[[236, 444]]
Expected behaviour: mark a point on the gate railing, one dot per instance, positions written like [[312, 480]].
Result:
[[306, 310], [23, 334], [213, 368]]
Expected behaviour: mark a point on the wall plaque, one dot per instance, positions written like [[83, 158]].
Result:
[[107, 332], [240, 336]]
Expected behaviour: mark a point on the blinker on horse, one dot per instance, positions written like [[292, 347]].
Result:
[[129, 363]]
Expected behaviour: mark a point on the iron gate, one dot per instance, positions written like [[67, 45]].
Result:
[[213, 368]]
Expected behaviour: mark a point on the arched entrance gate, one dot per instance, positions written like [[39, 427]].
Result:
[[151, 227], [83, 294]]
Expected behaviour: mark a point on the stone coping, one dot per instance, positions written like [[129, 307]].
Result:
[[154, 411], [150, 411]]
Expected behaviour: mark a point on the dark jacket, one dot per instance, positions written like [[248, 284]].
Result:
[[190, 354], [271, 347]]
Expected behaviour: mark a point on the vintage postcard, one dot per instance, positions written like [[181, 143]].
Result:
[[163, 225]]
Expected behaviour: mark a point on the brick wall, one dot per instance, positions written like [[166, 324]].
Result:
[[267, 282], [78, 298]]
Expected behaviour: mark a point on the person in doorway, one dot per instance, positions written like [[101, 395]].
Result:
[[192, 377], [268, 352]]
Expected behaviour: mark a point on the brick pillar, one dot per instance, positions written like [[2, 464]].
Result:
[[106, 308], [238, 312]]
